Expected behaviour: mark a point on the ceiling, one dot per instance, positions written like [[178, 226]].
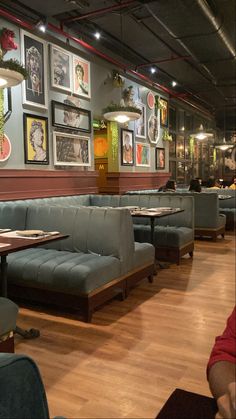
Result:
[[189, 41]]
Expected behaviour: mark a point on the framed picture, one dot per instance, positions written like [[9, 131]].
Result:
[[127, 147], [71, 149], [160, 159], [70, 117], [36, 139], [163, 112], [142, 154], [33, 53], [153, 128], [61, 69], [140, 124], [81, 77]]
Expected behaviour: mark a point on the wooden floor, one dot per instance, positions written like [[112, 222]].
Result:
[[135, 353]]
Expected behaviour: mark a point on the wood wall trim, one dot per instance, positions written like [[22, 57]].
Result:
[[23, 184], [121, 182]]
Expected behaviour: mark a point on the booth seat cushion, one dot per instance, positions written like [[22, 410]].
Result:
[[62, 271], [164, 236], [144, 253], [8, 315]]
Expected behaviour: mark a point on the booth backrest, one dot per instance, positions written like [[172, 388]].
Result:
[[91, 230], [13, 215]]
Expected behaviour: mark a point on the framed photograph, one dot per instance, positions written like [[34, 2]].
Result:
[[71, 149], [70, 117], [153, 128], [127, 147], [81, 77], [160, 159], [142, 154], [140, 124], [164, 112], [36, 139], [33, 56], [61, 62]]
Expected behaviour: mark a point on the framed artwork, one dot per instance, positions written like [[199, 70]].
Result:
[[142, 154], [5, 148], [127, 147], [61, 69], [140, 124], [70, 117], [150, 100], [153, 128], [36, 139], [160, 158], [164, 112], [71, 149], [33, 53], [81, 77]]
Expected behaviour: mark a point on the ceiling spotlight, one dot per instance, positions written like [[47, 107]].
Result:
[[97, 35], [174, 83], [153, 70], [42, 25]]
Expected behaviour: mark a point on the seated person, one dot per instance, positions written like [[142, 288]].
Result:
[[221, 370], [195, 186], [170, 186], [213, 184], [233, 185]]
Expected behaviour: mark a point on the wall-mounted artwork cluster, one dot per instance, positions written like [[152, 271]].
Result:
[[142, 151], [70, 74]]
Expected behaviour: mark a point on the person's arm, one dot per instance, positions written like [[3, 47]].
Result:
[[221, 370]]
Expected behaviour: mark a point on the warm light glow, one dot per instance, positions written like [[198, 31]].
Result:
[[201, 136], [223, 147], [97, 35], [122, 118], [3, 82]]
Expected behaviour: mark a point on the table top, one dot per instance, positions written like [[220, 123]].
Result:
[[223, 197], [13, 244], [186, 405], [154, 212]]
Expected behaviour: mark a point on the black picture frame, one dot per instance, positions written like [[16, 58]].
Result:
[[160, 159], [34, 152], [79, 119], [127, 153]]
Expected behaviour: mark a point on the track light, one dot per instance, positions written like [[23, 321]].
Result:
[[174, 83], [153, 70], [97, 35], [41, 25]]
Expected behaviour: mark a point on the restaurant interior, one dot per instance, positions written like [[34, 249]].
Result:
[[117, 208]]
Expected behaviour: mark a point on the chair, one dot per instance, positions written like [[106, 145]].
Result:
[[22, 393], [8, 315]]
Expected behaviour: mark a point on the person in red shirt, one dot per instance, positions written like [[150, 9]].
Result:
[[221, 370]]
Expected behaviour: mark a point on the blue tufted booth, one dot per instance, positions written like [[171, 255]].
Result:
[[99, 259], [227, 206], [174, 235], [8, 315]]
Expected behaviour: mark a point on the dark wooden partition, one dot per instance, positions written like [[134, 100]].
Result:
[[121, 182], [23, 184]]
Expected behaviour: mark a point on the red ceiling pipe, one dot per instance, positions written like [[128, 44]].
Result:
[[98, 11], [93, 50], [166, 60]]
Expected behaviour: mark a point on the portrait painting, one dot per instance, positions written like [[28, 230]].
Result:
[[81, 77], [61, 69], [153, 129], [142, 154], [163, 112], [71, 149], [140, 124], [66, 115], [160, 158], [36, 139], [127, 147], [34, 58]]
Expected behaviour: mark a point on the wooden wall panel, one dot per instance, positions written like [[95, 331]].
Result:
[[121, 182], [22, 184]]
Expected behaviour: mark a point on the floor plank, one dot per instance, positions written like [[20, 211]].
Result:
[[135, 353]]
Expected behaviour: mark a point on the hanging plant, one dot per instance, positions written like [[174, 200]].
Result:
[[191, 145], [114, 140], [166, 136], [117, 80], [7, 44]]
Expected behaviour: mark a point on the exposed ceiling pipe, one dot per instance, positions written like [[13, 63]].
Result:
[[93, 50], [166, 60], [98, 11], [217, 25]]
